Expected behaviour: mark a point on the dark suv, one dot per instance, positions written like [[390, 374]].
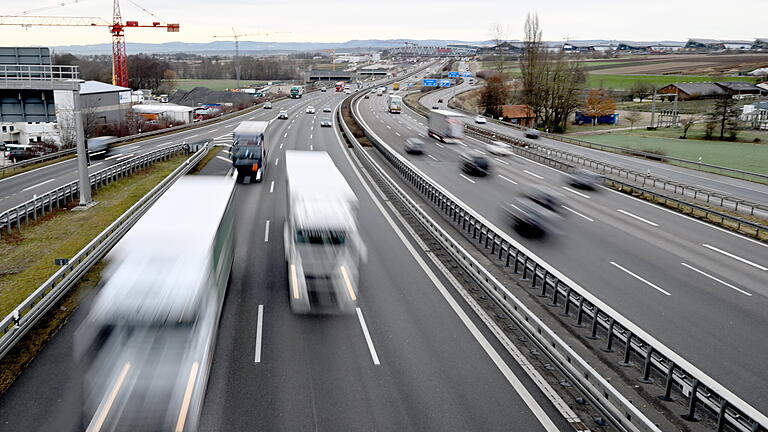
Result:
[[475, 164]]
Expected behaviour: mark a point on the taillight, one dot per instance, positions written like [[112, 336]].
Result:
[[255, 167]]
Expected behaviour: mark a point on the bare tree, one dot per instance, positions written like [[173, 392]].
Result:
[[498, 35], [551, 83], [633, 117], [687, 123]]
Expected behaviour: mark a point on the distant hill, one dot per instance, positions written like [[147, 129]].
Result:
[[253, 47]]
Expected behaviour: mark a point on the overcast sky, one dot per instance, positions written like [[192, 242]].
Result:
[[342, 20]]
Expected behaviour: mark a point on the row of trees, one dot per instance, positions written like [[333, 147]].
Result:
[[160, 74], [551, 83]]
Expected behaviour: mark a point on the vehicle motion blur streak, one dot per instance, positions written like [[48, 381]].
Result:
[[145, 348]]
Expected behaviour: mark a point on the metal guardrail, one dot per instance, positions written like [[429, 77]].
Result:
[[529, 151], [62, 195], [14, 326], [37, 160], [621, 411], [579, 305]]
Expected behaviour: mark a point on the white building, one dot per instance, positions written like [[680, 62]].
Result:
[[172, 113], [29, 132]]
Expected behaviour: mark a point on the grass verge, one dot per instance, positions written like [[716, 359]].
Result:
[[742, 156], [627, 82], [27, 258]]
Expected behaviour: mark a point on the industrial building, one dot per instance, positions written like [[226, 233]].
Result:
[[177, 114]]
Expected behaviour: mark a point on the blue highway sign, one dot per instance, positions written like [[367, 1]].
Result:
[[445, 83], [430, 83], [453, 74]]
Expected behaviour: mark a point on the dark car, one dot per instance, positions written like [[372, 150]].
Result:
[[440, 100], [475, 164], [532, 133], [366, 96], [326, 122], [584, 179], [546, 198], [18, 155], [435, 106], [414, 146], [531, 219]]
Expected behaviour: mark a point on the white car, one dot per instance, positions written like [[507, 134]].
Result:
[[310, 109], [480, 120], [498, 148]]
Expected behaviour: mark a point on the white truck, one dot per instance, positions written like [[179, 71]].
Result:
[[394, 104], [446, 126], [380, 91], [323, 247]]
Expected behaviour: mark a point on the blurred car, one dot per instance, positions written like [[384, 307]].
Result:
[[475, 165], [326, 122], [414, 146], [310, 109], [327, 108], [480, 120], [283, 115], [267, 105], [546, 198], [347, 91], [532, 133], [366, 96], [440, 100], [498, 148], [435, 106], [584, 179], [322, 89], [18, 155], [531, 219]]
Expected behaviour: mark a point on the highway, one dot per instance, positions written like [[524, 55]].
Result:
[[743, 189], [691, 285], [413, 357], [19, 188]]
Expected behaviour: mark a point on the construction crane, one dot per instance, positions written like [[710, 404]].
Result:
[[116, 28], [237, 37]]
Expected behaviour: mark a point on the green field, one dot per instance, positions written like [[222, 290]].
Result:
[[626, 82], [743, 156], [215, 84]]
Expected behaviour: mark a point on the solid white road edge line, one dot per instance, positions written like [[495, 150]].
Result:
[[736, 257], [640, 278], [716, 279], [526, 396], [259, 321], [637, 217], [367, 335]]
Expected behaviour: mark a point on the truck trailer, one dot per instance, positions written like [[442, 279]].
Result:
[[323, 247], [297, 91], [394, 104], [249, 150], [446, 126]]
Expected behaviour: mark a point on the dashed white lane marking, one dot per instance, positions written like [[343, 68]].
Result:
[[716, 279], [577, 213], [736, 257], [640, 278], [533, 174], [637, 217], [38, 185]]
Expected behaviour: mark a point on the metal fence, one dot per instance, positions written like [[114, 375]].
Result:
[[29, 162], [14, 326], [63, 195], [583, 309]]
